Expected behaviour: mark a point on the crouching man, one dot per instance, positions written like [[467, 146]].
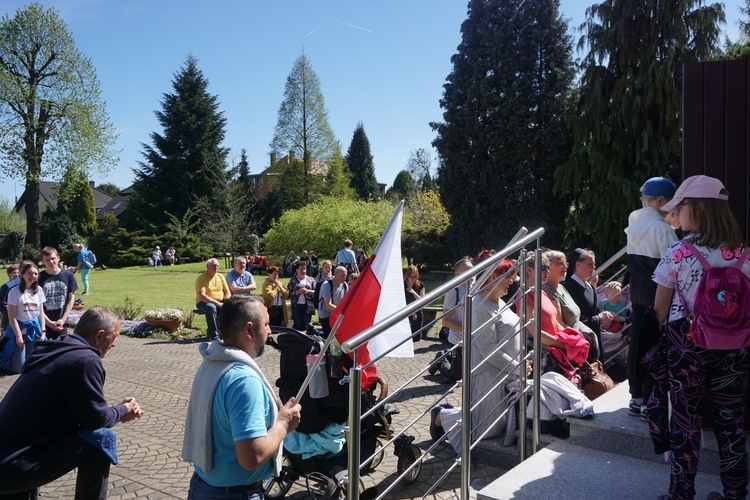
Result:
[[235, 424], [55, 418]]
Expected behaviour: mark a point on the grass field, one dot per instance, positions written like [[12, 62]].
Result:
[[153, 288]]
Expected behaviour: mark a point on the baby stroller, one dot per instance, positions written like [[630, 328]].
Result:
[[323, 473]]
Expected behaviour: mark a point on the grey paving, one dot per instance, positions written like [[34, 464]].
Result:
[[563, 470], [159, 375]]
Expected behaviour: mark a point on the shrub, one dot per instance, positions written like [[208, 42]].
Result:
[[30, 252], [57, 230], [16, 239], [132, 248], [129, 310], [10, 220]]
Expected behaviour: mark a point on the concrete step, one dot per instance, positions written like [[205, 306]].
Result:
[[492, 452], [612, 429], [563, 470]]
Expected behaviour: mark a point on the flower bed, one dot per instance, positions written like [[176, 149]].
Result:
[[169, 314], [155, 323]]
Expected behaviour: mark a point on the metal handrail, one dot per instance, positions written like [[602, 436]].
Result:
[[367, 334], [485, 268]]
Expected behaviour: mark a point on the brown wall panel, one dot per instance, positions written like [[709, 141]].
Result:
[[692, 119], [736, 173], [716, 128], [715, 120]]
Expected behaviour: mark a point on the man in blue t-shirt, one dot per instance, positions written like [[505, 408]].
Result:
[[345, 257], [235, 424], [240, 281]]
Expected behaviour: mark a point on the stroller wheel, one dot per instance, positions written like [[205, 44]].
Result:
[[379, 454], [278, 487], [322, 487], [409, 456]]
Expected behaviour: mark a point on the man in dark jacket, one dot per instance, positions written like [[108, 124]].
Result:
[[581, 267], [55, 418]]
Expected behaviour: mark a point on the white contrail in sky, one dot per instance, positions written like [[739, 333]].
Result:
[[350, 25], [313, 31]]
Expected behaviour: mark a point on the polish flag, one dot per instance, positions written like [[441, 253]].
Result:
[[377, 294]]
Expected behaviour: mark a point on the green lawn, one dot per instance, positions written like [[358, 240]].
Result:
[[168, 286]]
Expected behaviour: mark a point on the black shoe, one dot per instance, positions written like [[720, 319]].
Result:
[[634, 408], [434, 367], [644, 413], [436, 431]]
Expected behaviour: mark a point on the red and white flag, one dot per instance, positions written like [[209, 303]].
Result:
[[377, 294]]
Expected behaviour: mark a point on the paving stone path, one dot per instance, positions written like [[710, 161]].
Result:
[[159, 374]]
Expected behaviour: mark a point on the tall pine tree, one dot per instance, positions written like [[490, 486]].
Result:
[[503, 133], [628, 122], [359, 159], [183, 164], [302, 124], [243, 170]]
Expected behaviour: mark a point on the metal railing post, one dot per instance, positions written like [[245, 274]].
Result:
[[536, 430], [354, 435], [466, 399], [524, 313]]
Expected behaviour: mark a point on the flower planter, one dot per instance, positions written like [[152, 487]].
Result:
[[170, 324]]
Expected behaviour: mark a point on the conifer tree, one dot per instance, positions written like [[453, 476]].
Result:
[[740, 48], [403, 187], [302, 123], [243, 170], [628, 118], [503, 133], [182, 164], [338, 180], [75, 198], [360, 162]]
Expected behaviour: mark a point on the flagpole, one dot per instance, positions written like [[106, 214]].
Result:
[[318, 358]]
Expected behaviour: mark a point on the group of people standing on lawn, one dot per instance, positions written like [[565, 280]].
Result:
[[332, 282], [35, 305]]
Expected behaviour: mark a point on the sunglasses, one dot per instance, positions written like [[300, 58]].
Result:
[[545, 268]]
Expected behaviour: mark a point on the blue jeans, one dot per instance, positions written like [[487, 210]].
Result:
[[18, 358], [212, 315], [300, 317], [200, 490]]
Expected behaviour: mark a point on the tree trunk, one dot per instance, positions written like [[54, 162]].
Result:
[[33, 220], [34, 143]]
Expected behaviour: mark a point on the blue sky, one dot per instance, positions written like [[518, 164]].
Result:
[[382, 63]]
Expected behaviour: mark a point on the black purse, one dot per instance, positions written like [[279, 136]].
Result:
[[309, 306]]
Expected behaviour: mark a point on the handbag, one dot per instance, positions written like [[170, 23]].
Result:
[[309, 307], [595, 380]]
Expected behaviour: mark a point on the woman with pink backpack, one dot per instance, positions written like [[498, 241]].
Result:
[[701, 280]]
